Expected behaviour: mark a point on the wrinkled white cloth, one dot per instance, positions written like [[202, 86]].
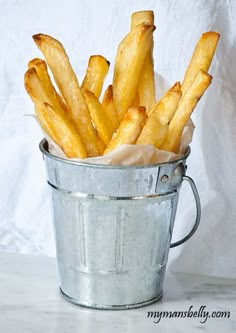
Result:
[[92, 27]]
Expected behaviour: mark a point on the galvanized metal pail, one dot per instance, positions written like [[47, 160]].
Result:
[[113, 228]]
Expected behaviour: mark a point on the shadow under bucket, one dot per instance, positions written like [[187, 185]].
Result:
[[113, 228]]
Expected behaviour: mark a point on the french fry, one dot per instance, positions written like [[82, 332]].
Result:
[[129, 61], [156, 128], [129, 129], [68, 84], [101, 145], [168, 104], [185, 108], [201, 58], [54, 122], [154, 132], [136, 100], [146, 86], [109, 107], [37, 91], [144, 16], [42, 121], [128, 113], [42, 72], [95, 75], [61, 130], [34, 87], [101, 121]]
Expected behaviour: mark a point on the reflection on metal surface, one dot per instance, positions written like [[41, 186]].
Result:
[[113, 228]]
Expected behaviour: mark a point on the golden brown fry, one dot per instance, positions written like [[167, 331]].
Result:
[[167, 105], [101, 122], [100, 144], [34, 87], [109, 107], [54, 122], [61, 130], [42, 72], [68, 84], [129, 129], [95, 75], [201, 58], [144, 16], [146, 86], [156, 128], [42, 121], [185, 108], [136, 100], [130, 57], [154, 132]]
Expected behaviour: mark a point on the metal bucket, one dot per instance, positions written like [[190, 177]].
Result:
[[113, 228]]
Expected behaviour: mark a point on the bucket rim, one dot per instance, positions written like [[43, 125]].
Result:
[[44, 151]]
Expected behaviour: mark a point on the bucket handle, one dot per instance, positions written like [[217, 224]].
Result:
[[198, 213]]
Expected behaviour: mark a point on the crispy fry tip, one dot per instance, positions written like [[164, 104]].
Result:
[[31, 71], [35, 61], [100, 56], [176, 86], [211, 33], [37, 38]]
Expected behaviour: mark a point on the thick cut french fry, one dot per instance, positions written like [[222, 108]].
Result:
[[168, 104], [109, 107], [154, 132], [58, 126], [100, 144], [42, 121], [185, 108], [42, 72], [68, 84], [129, 62], [61, 130], [34, 87], [143, 16], [146, 86], [101, 122], [55, 125], [136, 100], [129, 129], [201, 58], [156, 128], [95, 75]]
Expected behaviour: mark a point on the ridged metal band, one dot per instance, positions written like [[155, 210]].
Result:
[[108, 197]]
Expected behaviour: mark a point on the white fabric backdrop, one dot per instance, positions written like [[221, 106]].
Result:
[[93, 27]]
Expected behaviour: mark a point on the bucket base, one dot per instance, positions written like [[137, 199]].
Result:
[[112, 307]]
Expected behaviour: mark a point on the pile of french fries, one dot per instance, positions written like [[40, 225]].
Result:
[[84, 125]]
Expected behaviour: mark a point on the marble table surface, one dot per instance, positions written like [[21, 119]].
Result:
[[30, 302]]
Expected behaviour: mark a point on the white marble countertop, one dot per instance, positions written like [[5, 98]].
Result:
[[30, 302]]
